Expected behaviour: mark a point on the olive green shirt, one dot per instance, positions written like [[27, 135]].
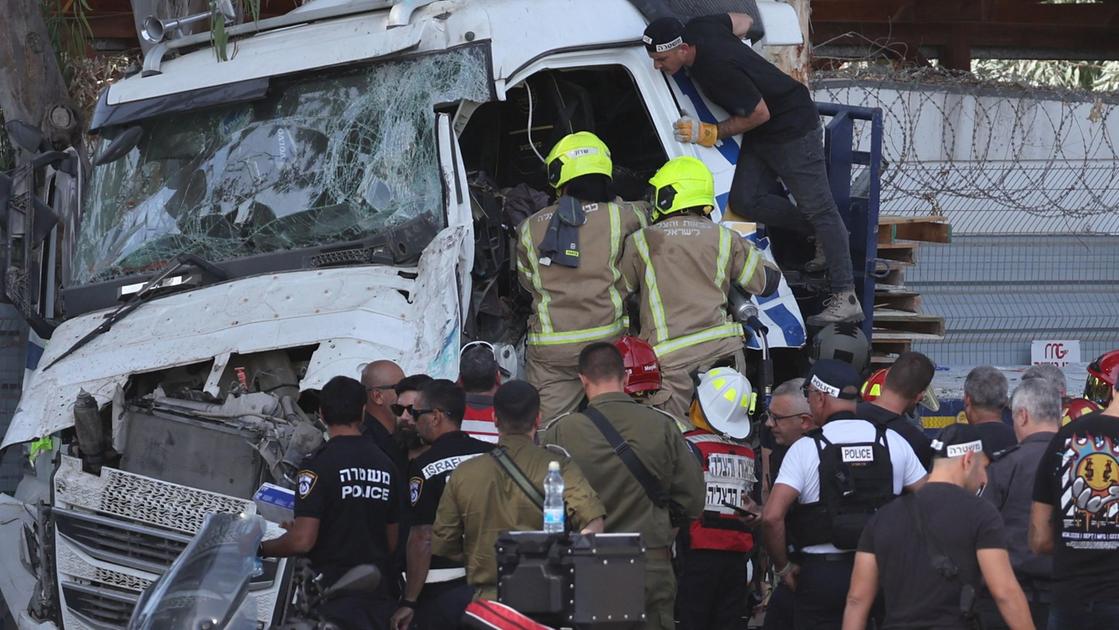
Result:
[[481, 501], [659, 445]]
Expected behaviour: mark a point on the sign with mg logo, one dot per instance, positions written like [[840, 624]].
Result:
[[1058, 353]]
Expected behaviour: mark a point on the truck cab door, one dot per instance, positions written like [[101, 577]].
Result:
[[456, 204]]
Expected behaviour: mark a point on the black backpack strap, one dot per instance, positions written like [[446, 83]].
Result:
[[517, 475], [623, 450], [944, 565]]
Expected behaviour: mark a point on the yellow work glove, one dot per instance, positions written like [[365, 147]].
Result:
[[689, 129]]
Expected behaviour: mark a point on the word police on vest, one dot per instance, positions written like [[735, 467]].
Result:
[[857, 454], [364, 483]]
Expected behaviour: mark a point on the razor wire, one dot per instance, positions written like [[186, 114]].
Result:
[[956, 144]]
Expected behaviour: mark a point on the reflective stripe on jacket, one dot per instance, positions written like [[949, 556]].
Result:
[[584, 304], [683, 268]]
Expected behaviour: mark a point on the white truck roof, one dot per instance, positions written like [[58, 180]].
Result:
[[525, 30]]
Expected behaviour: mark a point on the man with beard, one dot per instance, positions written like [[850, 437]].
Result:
[[435, 592], [407, 437]]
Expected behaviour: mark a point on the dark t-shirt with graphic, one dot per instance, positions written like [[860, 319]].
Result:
[[736, 78], [1079, 477], [962, 523], [428, 475], [349, 485]]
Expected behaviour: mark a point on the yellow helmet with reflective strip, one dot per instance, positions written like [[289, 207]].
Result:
[[577, 154], [682, 183], [727, 400]]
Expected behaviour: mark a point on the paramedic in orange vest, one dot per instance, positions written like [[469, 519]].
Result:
[[712, 592]]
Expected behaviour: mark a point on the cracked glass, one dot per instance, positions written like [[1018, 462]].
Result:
[[322, 158]]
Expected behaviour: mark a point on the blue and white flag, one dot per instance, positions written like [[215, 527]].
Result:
[[779, 312]]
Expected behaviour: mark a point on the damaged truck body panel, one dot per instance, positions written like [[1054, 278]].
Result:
[[255, 227]]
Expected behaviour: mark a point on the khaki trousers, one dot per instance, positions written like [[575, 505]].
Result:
[[557, 378]]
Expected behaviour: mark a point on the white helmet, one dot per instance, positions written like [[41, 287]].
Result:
[[726, 398]]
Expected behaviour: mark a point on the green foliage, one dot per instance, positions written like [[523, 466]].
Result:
[[1095, 76], [68, 25], [218, 35]]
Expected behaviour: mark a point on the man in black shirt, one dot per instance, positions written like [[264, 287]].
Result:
[[986, 394], [1076, 500], [1036, 409], [780, 138], [907, 383], [380, 379], [436, 592], [346, 509], [927, 549]]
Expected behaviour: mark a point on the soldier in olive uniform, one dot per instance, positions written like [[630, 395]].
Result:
[[481, 499], [654, 439]]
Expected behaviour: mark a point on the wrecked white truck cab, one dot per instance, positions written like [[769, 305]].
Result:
[[333, 194]]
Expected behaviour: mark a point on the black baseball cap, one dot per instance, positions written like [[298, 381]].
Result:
[[663, 34], [958, 439], [834, 377]]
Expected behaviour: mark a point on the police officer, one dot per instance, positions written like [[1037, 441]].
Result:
[[663, 491], [407, 436], [346, 509], [1036, 410], [482, 499], [683, 266], [435, 592], [567, 259], [830, 483], [714, 549], [890, 398]]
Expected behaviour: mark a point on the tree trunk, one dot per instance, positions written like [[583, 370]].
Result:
[[32, 89]]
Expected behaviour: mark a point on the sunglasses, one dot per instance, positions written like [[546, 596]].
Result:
[[399, 410]]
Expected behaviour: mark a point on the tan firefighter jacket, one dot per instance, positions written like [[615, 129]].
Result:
[[584, 304], [683, 268]]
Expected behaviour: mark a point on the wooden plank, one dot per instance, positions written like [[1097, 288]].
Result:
[[893, 276], [907, 327], [887, 219], [886, 234], [909, 302], [901, 334], [926, 232], [892, 346], [902, 252]]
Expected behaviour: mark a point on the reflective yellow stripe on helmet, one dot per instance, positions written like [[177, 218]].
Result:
[[534, 274], [722, 331], [656, 306], [585, 335], [615, 247], [724, 255], [752, 261]]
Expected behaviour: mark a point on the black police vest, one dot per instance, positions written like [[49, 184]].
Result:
[[855, 480]]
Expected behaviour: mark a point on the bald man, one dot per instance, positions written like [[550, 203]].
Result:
[[380, 379]]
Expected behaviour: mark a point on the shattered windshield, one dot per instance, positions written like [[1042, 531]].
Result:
[[322, 158]]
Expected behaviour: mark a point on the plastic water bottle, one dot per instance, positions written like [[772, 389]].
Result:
[[553, 500]]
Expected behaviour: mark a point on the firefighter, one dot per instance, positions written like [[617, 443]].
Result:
[[831, 482], [683, 266], [715, 547], [567, 259], [1102, 375]]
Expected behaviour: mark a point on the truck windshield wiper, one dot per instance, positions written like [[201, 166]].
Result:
[[138, 298]]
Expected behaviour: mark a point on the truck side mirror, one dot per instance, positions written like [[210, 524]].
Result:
[[119, 146]]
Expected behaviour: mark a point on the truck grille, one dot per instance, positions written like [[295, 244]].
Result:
[[99, 607], [121, 543], [116, 532]]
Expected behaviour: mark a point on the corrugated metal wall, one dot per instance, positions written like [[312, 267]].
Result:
[[998, 293]]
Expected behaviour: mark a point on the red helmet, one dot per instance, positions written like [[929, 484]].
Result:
[[1076, 407], [872, 388], [1102, 374], [643, 371]]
